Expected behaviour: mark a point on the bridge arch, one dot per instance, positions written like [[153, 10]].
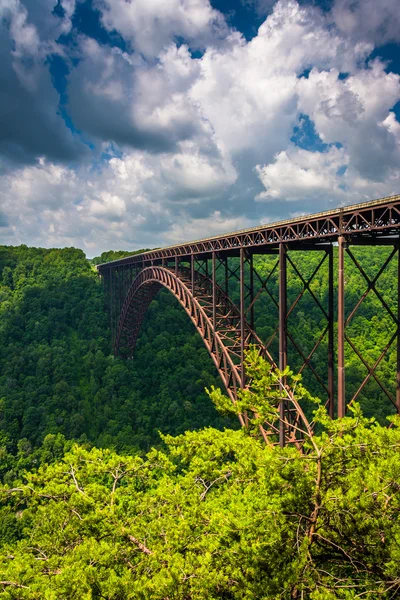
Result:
[[221, 331], [139, 296]]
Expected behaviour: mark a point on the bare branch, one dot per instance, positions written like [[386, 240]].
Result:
[[14, 584], [137, 543]]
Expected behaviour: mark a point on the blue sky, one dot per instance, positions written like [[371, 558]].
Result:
[[144, 123]]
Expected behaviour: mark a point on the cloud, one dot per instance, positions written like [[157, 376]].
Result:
[[30, 124], [117, 97], [3, 219], [213, 224], [151, 26], [377, 22], [248, 91], [298, 175], [194, 176], [312, 175], [130, 201], [183, 144], [353, 112]]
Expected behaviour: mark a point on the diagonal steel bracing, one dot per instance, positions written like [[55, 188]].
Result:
[[371, 283]]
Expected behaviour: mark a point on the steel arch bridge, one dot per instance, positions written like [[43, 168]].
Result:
[[217, 283]]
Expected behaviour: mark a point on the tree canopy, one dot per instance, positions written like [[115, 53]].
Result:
[[216, 514]]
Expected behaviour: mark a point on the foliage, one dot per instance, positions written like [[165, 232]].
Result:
[[213, 515], [57, 372], [264, 381]]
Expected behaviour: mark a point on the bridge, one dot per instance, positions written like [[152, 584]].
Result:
[[217, 283]]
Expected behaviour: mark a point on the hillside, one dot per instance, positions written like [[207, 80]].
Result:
[[57, 372], [58, 375]]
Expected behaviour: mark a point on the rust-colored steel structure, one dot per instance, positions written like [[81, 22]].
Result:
[[218, 285]]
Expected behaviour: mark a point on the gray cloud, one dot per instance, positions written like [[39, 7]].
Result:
[[375, 21], [117, 97], [150, 27], [30, 124], [3, 220]]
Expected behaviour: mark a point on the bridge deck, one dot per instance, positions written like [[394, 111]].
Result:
[[367, 220]]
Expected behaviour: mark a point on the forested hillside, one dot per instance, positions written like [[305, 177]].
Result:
[[57, 373], [209, 513]]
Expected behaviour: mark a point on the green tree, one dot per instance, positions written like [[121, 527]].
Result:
[[213, 515]]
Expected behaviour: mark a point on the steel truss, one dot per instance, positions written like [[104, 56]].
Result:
[[221, 289], [344, 337]]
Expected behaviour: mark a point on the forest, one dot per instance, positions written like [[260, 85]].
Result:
[[127, 479]]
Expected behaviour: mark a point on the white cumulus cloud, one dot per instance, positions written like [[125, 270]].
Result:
[[168, 143]]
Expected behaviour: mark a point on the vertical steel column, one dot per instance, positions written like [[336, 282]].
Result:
[[331, 345], [242, 317], [251, 291], [114, 302], [226, 276], [192, 272], [282, 334], [214, 291], [117, 298], [398, 330], [119, 291], [341, 323], [176, 265], [111, 304]]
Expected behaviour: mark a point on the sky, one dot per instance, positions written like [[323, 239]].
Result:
[[128, 124]]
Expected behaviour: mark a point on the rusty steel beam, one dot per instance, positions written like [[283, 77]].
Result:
[[341, 402], [331, 343], [398, 331], [282, 335], [214, 291], [379, 217], [226, 275], [223, 342], [242, 317], [192, 270], [180, 286], [251, 291]]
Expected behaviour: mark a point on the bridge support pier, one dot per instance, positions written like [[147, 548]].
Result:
[[341, 325], [331, 342], [242, 317], [214, 291], [192, 273], [398, 330], [282, 335]]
